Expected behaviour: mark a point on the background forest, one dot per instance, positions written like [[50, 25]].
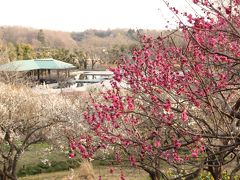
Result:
[[84, 49]]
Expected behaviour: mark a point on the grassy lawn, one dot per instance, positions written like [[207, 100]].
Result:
[[38, 152], [103, 171]]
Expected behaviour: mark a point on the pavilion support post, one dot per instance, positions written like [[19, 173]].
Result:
[[58, 74], [68, 74], [38, 74], [34, 74], [49, 73]]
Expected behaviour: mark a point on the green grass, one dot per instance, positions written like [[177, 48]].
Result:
[[47, 176], [31, 162], [103, 171], [36, 153]]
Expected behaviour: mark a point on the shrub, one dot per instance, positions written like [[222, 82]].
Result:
[[44, 168]]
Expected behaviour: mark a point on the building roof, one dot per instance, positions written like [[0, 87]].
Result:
[[35, 64]]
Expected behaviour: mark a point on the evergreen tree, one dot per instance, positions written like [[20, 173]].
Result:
[[24, 51], [41, 37]]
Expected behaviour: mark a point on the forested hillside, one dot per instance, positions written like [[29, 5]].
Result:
[[84, 49]]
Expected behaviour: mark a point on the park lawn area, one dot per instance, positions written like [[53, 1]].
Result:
[[38, 152], [103, 171]]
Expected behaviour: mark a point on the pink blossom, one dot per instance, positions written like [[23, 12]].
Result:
[[237, 2], [195, 154], [238, 54], [177, 157], [177, 144], [186, 158], [228, 10], [71, 155], [122, 177], [117, 157], [167, 105], [132, 160], [130, 104], [157, 143], [184, 115], [202, 148], [73, 145], [190, 18]]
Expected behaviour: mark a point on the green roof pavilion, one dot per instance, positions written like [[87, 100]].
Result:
[[36, 65]]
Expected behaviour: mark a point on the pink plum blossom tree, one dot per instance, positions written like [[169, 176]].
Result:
[[174, 106]]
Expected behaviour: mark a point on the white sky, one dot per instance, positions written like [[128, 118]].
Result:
[[79, 15]]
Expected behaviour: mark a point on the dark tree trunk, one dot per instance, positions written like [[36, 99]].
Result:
[[154, 175], [9, 170], [216, 173], [9, 173], [214, 163], [2, 176], [93, 64], [215, 167], [85, 65]]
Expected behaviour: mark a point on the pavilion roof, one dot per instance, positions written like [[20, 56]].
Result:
[[35, 64]]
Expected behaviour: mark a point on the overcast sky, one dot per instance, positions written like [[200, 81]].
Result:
[[79, 15]]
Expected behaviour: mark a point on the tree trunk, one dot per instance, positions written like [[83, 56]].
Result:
[[154, 175], [215, 169], [9, 170], [2, 176], [9, 173], [214, 163], [93, 64], [85, 65], [14, 165], [216, 173]]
